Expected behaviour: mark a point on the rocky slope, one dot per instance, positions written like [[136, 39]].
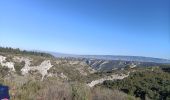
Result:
[[47, 67], [33, 75]]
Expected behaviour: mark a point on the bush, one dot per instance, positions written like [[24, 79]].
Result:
[[18, 67]]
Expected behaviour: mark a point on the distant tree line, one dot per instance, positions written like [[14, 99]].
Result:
[[18, 51]]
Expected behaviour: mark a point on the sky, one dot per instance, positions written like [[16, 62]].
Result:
[[93, 27]]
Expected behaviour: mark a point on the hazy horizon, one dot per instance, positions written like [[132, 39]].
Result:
[[89, 27]]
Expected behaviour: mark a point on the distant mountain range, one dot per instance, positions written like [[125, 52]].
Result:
[[114, 57]]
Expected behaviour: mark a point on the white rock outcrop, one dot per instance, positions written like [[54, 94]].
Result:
[[112, 77], [3, 62], [42, 68]]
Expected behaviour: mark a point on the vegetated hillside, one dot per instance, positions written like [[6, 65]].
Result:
[[145, 83], [40, 76]]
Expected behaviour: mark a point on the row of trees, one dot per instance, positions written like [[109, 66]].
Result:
[[18, 51]]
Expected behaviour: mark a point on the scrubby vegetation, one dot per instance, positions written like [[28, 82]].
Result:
[[58, 90], [154, 85]]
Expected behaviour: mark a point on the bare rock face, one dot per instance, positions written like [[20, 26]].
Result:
[[3, 62]]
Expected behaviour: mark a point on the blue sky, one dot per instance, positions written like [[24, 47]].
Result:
[[105, 27]]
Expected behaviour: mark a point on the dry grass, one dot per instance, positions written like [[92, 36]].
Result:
[[107, 94], [55, 92]]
